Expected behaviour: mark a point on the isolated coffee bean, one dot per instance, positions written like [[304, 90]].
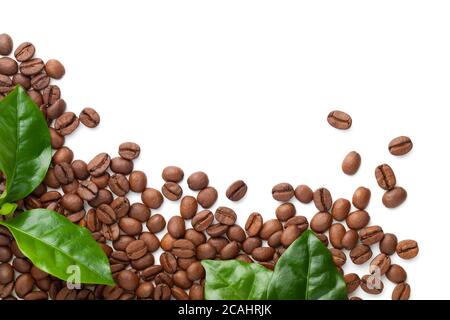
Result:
[[236, 233], [87, 190], [130, 226], [289, 235], [395, 197], [322, 199], [351, 163], [176, 227], [225, 215], [371, 235], [341, 209], [207, 197], [172, 191], [388, 244], [156, 223], [360, 254], [337, 233], [285, 211], [380, 264], [407, 249], [339, 120], [338, 256], [129, 150], [25, 51], [401, 292], [136, 249], [352, 281], [6, 44], [172, 174], [152, 198], [371, 284], [40, 81], [350, 239], [400, 146], [188, 207], [303, 193], [254, 224], [385, 177], [202, 220], [321, 222], [269, 228], [263, 254], [66, 123], [138, 181], [358, 219], [237, 190], [56, 109], [89, 117], [121, 165], [230, 251], [198, 181], [119, 185], [206, 251], [275, 240], [361, 198], [64, 173], [8, 66], [217, 230], [283, 192], [183, 248]]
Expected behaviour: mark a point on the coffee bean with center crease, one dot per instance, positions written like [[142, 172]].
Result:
[[254, 224], [66, 123], [188, 207], [129, 150], [269, 228], [217, 230], [352, 281], [89, 117], [6, 44], [106, 214], [183, 248], [172, 174], [150, 240], [8, 66], [322, 199], [371, 284], [162, 292], [119, 185], [202, 220], [138, 181], [64, 173], [396, 274], [207, 197], [25, 51], [237, 190], [136, 249], [394, 198], [198, 181], [299, 221], [121, 165], [156, 223], [197, 238], [56, 109], [152, 198], [351, 163], [361, 198], [87, 190], [150, 272], [358, 220], [31, 67], [230, 251], [388, 244], [168, 262], [103, 197], [250, 244], [303, 193], [172, 191], [176, 227], [130, 226], [225, 216], [56, 140], [62, 155], [380, 264], [385, 177], [339, 120], [371, 235], [6, 84], [51, 94], [285, 211], [283, 192], [40, 81], [360, 254], [321, 222], [20, 79], [407, 249], [401, 291], [400, 146], [339, 258], [55, 69]]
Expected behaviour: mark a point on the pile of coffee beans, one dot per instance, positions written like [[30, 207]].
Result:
[[95, 194]]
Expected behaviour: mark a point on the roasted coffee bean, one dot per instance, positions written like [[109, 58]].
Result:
[[217, 230], [371, 235], [111, 293], [262, 254], [110, 232], [63, 155], [395, 197], [54, 69], [5, 254], [181, 279], [72, 202], [162, 292], [6, 291], [371, 284], [156, 223], [196, 292], [198, 181], [322, 199], [71, 187], [24, 285], [184, 263], [230, 251], [50, 179], [56, 109], [303, 193], [128, 280], [129, 150], [99, 164], [64, 173], [195, 271], [152, 198], [6, 84], [172, 174], [36, 296], [8, 66], [358, 220], [285, 211], [254, 224], [87, 190], [396, 274], [337, 233], [179, 294], [250, 244], [289, 235], [388, 244], [172, 191], [283, 192], [207, 197], [225, 216], [183, 248], [80, 170], [237, 190], [339, 120], [92, 223], [380, 264], [40, 81], [401, 292], [202, 220], [106, 214], [352, 281], [89, 117], [407, 249], [361, 198], [275, 239], [385, 177], [360, 254], [121, 165], [351, 163], [321, 222], [269, 228], [218, 243], [145, 290], [103, 197], [22, 80], [236, 233], [66, 123], [197, 238], [350, 239], [102, 180], [119, 184], [150, 240], [188, 207], [6, 273], [138, 181], [139, 212], [299, 221], [35, 96], [176, 227], [205, 251], [51, 94], [400, 146], [130, 226], [6, 44], [338, 256], [151, 272], [121, 206], [24, 51], [168, 262], [136, 249]]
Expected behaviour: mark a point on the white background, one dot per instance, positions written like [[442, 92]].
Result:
[[241, 90]]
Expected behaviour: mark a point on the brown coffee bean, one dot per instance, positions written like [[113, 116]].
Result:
[[371, 284], [72, 202], [172, 191], [36, 296], [207, 197], [195, 271], [156, 223], [401, 292], [51, 94], [352, 281], [183, 248], [350, 239], [24, 51], [400, 146], [80, 170], [137, 211], [205, 251], [40, 81], [89, 117], [283, 192], [351, 163], [101, 181], [285, 211], [250, 244], [24, 285], [217, 230], [55, 69], [179, 294], [121, 165], [145, 290], [339, 120], [110, 232], [87, 190], [225, 216], [63, 155], [106, 214], [20, 79], [303, 193], [128, 280], [322, 199], [6, 44], [299, 221], [21, 265], [237, 190], [6, 84], [198, 181], [172, 174], [197, 238], [289, 235], [168, 262], [152, 198], [385, 177], [361, 198], [236, 233], [176, 227], [57, 140], [230, 251], [395, 197], [6, 273], [269, 228], [358, 219], [99, 164], [136, 249], [64, 173], [138, 181], [254, 224], [150, 240], [121, 206], [388, 244], [129, 150], [162, 292], [36, 97], [8, 66], [188, 207], [275, 239], [360, 254], [130, 226], [337, 233], [181, 279], [396, 274], [5, 254], [66, 123], [263, 254], [380, 264], [338, 256], [196, 292], [321, 222], [218, 242], [407, 249], [202, 220], [103, 197], [119, 185], [371, 235]]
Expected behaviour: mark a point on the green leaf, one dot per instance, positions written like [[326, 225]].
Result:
[[235, 280], [55, 245], [25, 145], [7, 208], [306, 272]]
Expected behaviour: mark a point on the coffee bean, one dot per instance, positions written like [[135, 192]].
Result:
[[121, 165], [358, 220], [207, 197], [351, 163], [8, 66], [162, 292], [72, 202], [385, 177], [254, 224], [24, 51], [80, 170], [31, 67], [56, 109], [195, 271], [338, 256], [183, 248], [50, 179], [54, 69], [196, 292], [371, 235], [275, 240], [102, 180], [395, 197], [225, 216], [136, 249], [303, 193], [401, 292], [5, 254], [63, 155], [181, 279], [145, 290], [230, 251], [138, 181], [197, 238], [350, 239], [6, 44], [289, 235], [198, 181], [237, 190], [339, 120], [130, 226], [172, 174], [139, 212], [152, 198], [371, 284], [202, 220], [321, 222], [269, 228], [172, 191], [64, 173], [205, 251], [6, 84], [380, 264], [396, 274], [150, 240], [176, 227], [35, 96], [110, 232], [40, 81], [24, 285], [66, 123], [250, 244], [6, 273], [285, 211], [400, 146], [129, 150], [263, 254], [89, 117], [407, 249], [337, 233], [36, 296], [388, 244], [128, 280], [283, 192], [322, 199], [361, 198], [51, 94], [360, 254], [179, 294], [92, 222], [106, 214], [57, 140], [156, 223], [103, 197], [352, 281], [188, 207], [217, 230], [236, 233], [299, 221], [151, 272], [168, 262]]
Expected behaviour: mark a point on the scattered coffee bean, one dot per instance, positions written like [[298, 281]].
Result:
[[351, 163], [136, 249], [289, 235], [129, 150], [395, 197], [388, 244], [263, 254], [401, 292], [371, 235], [352, 281], [283, 192], [172, 174], [89, 117], [130, 226], [360, 254], [385, 177], [237, 190], [176, 227], [202, 220], [339, 120], [358, 220], [172, 191], [303, 193], [396, 274], [183, 248], [152, 198], [40, 81], [275, 240], [230, 251], [99, 164], [6, 44], [380, 264], [168, 262], [250, 244], [137, 211], [87, 190], [400, 146], [188, 207], [322, 199], [207, 197], [205, 251], [285, 211], [217, 230], [407, 249], [225, 216], [269, 228], [339, 257], [321, 222], [55, 69], [254, 224], [8, 66], [128, 280], [156, 223], [361, 198], [119, 185], [236, 233], [198, 181], [341, 209], [337, 233], [138, 181], [371, 284]]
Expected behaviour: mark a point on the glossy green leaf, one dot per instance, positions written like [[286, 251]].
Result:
[[306, 272], [55, 245], [25, 145], [7, 208], [235, 280]]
